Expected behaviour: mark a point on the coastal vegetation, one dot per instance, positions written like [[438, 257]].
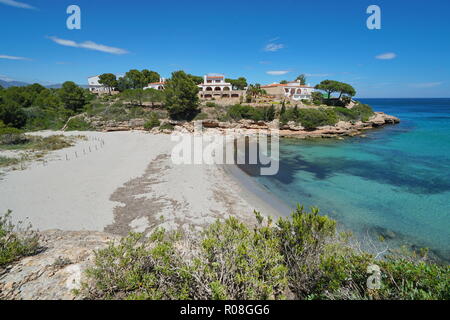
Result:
[[181, 99], [301, 257], [73, 108], [16, 240]]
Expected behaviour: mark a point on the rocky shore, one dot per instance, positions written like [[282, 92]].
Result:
[[291, 129]]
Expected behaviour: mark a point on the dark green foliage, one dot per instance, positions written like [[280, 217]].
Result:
[[11, 136], [181, 96], [201, 116], [78, 124], [239, 263], [133, 96], [150, 76], [302, 79], [238, 84], [15, 240], [133, 269], [166, 126], [238, 112], [109, 80], [196, 79], [313, 118], [12, 114], [358, 112], [331, 86], [72, 96], [302, 257], [317, 98], [153, 122]]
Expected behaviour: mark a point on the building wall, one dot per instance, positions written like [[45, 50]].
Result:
[[293, 91]]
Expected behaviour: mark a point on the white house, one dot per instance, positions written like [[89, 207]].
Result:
[[156, 85], [214, 82], [293, 90], [95, 86]]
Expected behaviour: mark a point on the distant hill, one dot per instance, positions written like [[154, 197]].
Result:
[[7, 84], [59, 85]]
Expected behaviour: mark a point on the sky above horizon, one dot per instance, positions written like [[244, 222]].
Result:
[[264, 41]]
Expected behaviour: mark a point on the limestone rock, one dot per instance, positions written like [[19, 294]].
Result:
[[57, 270]]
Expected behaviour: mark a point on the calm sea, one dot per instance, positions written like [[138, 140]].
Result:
[[394, 182]]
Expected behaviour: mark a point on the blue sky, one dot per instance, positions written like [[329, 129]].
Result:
[[264, 41]]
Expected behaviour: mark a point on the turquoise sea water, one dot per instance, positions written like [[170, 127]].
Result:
[[394, 182]]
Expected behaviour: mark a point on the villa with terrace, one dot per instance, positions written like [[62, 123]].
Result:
[[215, 86], [292, 90]]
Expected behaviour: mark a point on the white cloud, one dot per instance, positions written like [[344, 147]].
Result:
[[386, 56], [90, 45], [272, 47], [12, 57], [426, 84], [17, 4], [277, 72]]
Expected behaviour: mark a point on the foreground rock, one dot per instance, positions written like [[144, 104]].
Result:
[[57, 270]]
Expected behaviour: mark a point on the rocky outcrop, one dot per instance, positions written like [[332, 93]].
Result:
[[290, 129], [56, 270]]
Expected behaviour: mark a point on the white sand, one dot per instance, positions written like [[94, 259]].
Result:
[[134, 169]]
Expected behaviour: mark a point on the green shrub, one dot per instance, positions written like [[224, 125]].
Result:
[[358, 112], [211, 105], [51, 143], [138, 269], [7, 161], [238, 112], [12, 136], [243, 264], [153, 122], [166, 126], [313, 118], [201, 116], [78, 124], [15, 240], [302, 257]]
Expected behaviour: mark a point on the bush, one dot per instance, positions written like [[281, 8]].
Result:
[[302, 257], [78, 124], [166, 126], [358, 112], [7, 161], [201, 116], [153, 122], [239, 263], [12, 136], [51, 143], [211, 105], [309, 118], [15, 241], [238, 112]]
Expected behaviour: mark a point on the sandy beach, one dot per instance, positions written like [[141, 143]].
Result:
[[121, 182]]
